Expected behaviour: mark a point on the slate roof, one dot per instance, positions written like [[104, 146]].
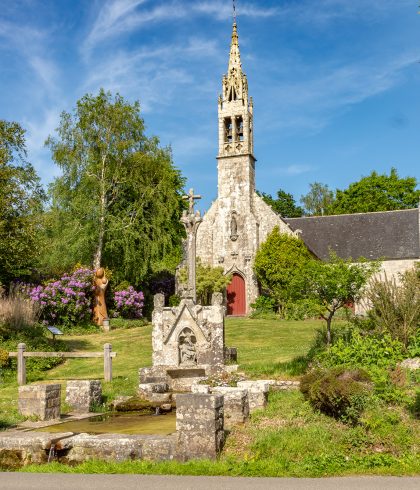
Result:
[[387, 235]]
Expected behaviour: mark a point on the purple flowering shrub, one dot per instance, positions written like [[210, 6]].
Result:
[[128, 303], [67, 301]]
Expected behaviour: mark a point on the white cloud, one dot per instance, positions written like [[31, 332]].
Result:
[[31, 45], [329, 11], [154, 73], [123, 16], [311, 102]]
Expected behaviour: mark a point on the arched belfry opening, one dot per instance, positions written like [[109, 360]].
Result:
[[236, 296]]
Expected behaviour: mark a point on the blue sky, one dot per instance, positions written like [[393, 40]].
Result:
[[336, 83]]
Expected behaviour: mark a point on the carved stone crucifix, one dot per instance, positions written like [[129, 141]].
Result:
[[191, 220]]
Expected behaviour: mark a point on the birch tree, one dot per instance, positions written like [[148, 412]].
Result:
[[117, 201]]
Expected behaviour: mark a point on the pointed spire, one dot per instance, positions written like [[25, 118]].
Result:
[[235, 56]]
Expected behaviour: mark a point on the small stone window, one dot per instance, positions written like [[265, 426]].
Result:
[[228, 130], [239, 129]]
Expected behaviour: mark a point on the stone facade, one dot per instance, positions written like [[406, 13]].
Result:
[[82, 395], [239, 220], [187, 342], [200, 426], [39, 400]]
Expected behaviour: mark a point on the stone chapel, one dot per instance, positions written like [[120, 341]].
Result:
[[239, 220]]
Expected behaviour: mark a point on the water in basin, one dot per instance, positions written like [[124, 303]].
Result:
[[119, 423]]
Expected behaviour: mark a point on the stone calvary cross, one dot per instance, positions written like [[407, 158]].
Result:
[[191, 220]]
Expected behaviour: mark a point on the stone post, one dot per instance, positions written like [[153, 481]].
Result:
[[200, 425], [107, 362], [40, 400], [21, 365]]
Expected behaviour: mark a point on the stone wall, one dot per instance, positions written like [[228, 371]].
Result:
[[390, 269], [40, 400]]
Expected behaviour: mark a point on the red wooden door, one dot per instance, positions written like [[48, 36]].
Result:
[[236, 300]]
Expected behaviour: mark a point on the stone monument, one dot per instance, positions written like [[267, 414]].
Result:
[[187, 340]]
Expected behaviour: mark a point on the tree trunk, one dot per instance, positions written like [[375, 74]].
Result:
[[101, 232], [329, 319]]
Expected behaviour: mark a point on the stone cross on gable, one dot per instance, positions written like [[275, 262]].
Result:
[[191, 220]]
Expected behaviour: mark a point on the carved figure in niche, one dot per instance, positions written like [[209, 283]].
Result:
[[100, 283], [187, 348], [233, 227]]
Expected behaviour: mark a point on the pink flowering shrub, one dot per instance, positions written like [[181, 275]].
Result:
[[128, 303], [67, 301]]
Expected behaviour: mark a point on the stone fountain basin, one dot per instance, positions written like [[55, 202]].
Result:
[[118, 423]]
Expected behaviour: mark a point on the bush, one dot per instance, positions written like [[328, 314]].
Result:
[[301, 310], [174, 300], [35, 339], [67, 301], [128, 303], [338, 392], [16, 312], [395, 308], [377, 354], [279, 266], [264, 304]]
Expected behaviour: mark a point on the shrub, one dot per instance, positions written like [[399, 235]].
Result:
[[279, 266], [174, 300], [4, 358], [128, 303], [35, 339], [377, 354], [67, 301], [338, 392], [16, 312], [264, 306], [301, 309], [395, 308], [209, 280]]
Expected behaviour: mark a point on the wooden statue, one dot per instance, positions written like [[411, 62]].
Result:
[[99, 309]]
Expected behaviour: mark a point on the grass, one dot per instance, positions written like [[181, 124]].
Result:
[[263, 348], [271, 347], [286, 439], [290, 439]]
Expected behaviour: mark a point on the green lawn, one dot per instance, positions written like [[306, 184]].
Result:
[[263, 345], [286, 439]]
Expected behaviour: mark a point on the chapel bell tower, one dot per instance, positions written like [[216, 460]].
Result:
[[236, 138]]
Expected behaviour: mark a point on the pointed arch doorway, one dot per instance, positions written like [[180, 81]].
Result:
[[236, 297]]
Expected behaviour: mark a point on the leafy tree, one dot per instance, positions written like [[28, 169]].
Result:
[[319, 199], [21, 201], [209, 280], [118, 201], [279, 266], [285, 204], [336, 284], [377, 192]]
